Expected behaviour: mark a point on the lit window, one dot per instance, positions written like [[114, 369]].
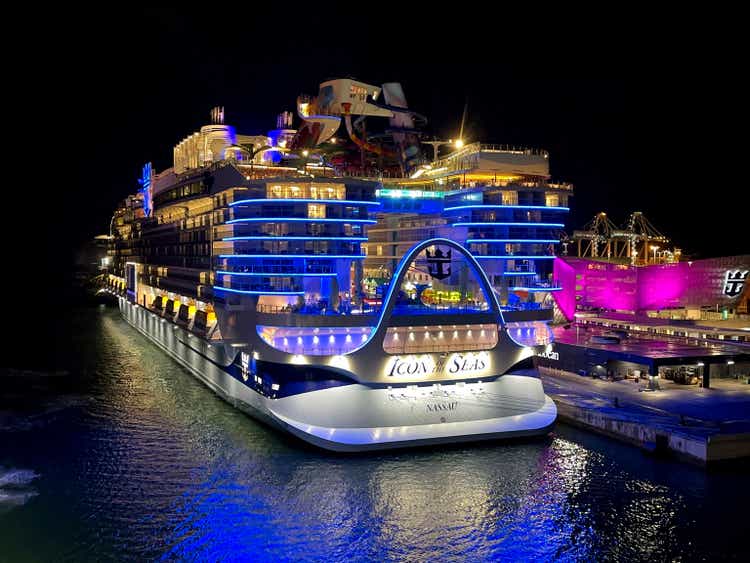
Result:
[[510, 197], [316, 210]]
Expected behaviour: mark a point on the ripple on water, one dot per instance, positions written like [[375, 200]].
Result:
[[15, 487], [155, 466]]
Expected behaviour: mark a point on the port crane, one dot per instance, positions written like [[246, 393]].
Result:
[[636, 242]]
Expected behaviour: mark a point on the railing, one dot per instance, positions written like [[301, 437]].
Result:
[[474, 149], [317, 350], [487, 147], [536, 284], [295, 215], [525, 307], [330, 198], [271, 270], [283, 254], [314, 309], [442, 309], [375, 174], [437, 348], [323, 309], [261, 287], [560, 186]]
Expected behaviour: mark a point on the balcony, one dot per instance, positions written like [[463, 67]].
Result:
[[260, 270], [255, 285], [261, 253], [536, 286]]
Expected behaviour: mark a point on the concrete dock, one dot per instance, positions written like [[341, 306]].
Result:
[[698, 425]]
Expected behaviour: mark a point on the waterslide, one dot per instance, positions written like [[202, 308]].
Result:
[[404, 134], [347, 98], [363, 144], [315, 129]]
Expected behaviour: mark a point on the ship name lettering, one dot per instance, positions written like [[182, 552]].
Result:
[[470, 363], [413, 367], [435, 407], [455, 364]]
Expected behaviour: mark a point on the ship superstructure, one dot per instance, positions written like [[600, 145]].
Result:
[[350, 289]]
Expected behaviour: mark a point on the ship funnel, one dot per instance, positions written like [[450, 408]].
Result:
[[217, 115], [284, 120]]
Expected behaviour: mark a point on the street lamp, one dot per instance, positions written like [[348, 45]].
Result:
[[654, 248]]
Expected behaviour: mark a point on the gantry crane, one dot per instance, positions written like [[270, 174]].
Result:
[[595, 233], [634, 242]]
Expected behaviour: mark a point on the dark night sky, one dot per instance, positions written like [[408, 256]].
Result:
[[637, 111], [633, 125]]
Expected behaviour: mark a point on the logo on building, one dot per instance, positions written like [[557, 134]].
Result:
[[437, 262], [734, 282]]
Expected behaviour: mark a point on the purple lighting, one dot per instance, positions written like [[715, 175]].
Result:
[[565, 299], [662, 286], [629, 289]]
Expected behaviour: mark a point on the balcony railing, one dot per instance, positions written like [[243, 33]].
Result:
[[536, 285], [275, 270], [526, 307], [311, 308], [259, 287]]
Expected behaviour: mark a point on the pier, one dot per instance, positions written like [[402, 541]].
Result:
[[697, 425]]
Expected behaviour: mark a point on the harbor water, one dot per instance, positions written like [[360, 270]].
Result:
[[131, 458]]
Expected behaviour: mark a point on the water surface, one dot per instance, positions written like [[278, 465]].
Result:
[[135, 459]]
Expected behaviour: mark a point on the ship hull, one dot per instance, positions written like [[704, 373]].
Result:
[[358, 417]]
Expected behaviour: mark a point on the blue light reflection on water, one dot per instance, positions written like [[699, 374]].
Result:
[[146, 463]]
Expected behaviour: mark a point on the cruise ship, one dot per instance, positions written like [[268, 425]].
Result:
[[344, 278]]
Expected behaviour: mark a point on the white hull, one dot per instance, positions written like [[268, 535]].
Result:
[[357, 417]]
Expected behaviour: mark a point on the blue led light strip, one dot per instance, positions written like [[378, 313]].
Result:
[[548, 208], [535, 289], [487, 257], [481, 240], [274, 274], [297, 220], [293, 200], [519, 273], [252, 292], [350, 256], [252, 237], [486, 224], [406, 261]]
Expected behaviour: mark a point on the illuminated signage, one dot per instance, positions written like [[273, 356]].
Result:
[[244, 364], [734, 282], [146, 180], [549, 355], [458, 364]]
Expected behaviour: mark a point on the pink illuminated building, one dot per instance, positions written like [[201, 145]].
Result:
[[592, 284]]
